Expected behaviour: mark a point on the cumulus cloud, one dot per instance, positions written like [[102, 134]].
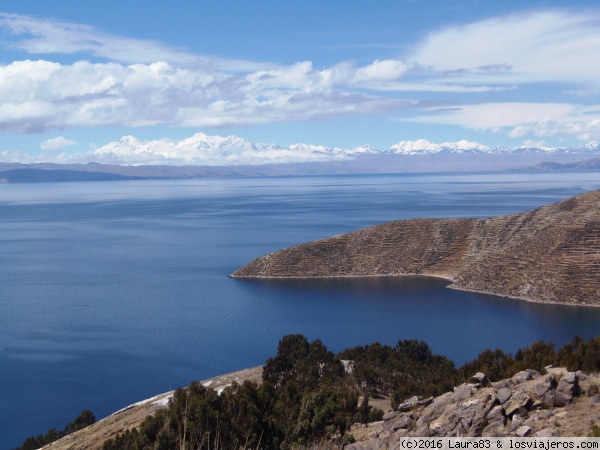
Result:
[[148, 83], [40, 95], [134, 82], [57, 143]]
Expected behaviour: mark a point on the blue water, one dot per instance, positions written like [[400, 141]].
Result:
[[113, 292]]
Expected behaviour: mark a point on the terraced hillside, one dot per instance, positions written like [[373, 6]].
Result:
[[550, 254]]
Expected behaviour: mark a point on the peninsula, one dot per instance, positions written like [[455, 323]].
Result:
[[548, 255]]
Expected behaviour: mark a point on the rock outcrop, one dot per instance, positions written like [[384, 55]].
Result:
[[558, 403], [528, 404], [550, 254]]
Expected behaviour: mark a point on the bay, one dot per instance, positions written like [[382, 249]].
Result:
[[112, 292]]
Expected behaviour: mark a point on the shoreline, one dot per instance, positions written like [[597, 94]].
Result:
[[451, 285], [94, 436]]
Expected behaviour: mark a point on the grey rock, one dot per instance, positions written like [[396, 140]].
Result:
[[523, 376], [547, 432], [384, 434], [567, 388], [472, 413], [422, 431], [538, 404], [372, 444], [446, 425], [516, 422], [480, 379], [414, 402], [504, 394], [404, 421], [463, 392], [519, 402], [581, 376], [501, 384], [543, 389], [389, 416], [436, 408], [493, 430], [502, 410], [496, 416]]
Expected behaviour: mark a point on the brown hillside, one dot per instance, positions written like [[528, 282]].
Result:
[[550, 254]]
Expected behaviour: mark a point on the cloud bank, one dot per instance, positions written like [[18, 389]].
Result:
[[122, 81]]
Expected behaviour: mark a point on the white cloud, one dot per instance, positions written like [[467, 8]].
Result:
[[533, 144], [433, 87], [584, 130], [46, 36], [381, 71], [147, 83], [497, 115], [57, 143], [41, 95], [525, 47]]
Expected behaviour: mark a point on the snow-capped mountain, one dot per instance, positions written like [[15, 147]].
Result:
[[202, 149], [423, 146]]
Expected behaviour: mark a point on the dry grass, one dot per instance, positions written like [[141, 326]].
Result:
[[94, 436]]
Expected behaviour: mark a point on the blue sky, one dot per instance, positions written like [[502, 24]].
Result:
[[75, 76]]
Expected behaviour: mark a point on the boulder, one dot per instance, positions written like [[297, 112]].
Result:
[[568, 387], [496, 422], [504, 394], [472, 413], [389, 416], [547, 432], [542, 389], [528, 404], [463, 392], [523, 376], [404, 421], [413, 402], [523, 431], [516, 422], [519, 402], [480, 379]]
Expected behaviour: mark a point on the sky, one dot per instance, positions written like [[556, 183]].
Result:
[[76, 76]]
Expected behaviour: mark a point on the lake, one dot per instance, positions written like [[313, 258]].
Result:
[[112, 292]]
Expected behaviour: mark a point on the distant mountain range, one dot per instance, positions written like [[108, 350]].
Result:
[[45, 176], [388, 163], [214, 156], [201, 149], [588, 164]]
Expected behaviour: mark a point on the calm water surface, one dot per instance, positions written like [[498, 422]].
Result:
[[113, 292]]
